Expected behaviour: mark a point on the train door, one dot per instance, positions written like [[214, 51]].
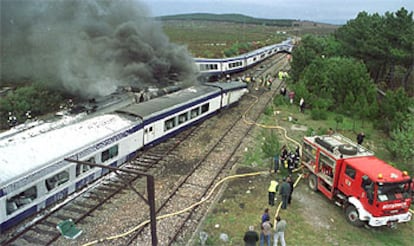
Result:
[[149, 133], [225, 99]]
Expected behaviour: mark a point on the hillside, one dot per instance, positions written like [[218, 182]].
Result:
[[244, 19], [235, 18]]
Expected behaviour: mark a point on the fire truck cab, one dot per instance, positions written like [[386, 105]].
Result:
[[368, 189]]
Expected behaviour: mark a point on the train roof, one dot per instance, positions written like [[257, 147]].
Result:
[[246, 55], [160, 105], [34, 148], [375, 167]]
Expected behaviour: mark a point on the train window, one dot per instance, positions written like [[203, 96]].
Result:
[[21, 199], [182, 118], [205, 67], [57, 180], [84, 168], [205, 108], [149, 129], [235, 64], [109, 153], [169, 124], [194, 112]]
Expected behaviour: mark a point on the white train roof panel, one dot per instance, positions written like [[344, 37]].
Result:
[[234, 85], [34, 148], [160, 105]]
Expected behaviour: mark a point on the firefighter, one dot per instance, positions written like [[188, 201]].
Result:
[[291, 162], [276, 163], [273, 187], [291, 182], [360, 138], [283, 156]]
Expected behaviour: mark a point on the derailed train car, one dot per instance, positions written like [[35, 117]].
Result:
[[219, 67], [35, 175]]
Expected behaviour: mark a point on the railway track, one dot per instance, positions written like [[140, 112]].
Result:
[[184, 187], [192, 187], [42, 230]]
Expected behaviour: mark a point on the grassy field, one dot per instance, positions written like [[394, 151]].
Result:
[[209, 39], [312, 218]]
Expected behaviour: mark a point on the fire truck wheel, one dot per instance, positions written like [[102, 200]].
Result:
[[352, 216], [347, 149], [313, 182]]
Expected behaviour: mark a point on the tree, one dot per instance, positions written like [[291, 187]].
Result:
[[271, 144], [342, 85], [304, 54], [394, 110], [384, 43], [399, 33], [402, 144], [34, 98]]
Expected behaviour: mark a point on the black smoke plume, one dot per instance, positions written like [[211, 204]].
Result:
[[89, 47]]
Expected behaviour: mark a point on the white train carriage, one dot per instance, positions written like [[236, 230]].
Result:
[[35, 175], [167, 115], [234, 64], [218, 67], [256, 56], [208, 66]]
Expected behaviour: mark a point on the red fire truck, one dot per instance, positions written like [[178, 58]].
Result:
[[368, 189]]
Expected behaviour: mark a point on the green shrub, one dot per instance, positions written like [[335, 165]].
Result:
[[268, 111], [318, 114], [271, 144], [279, 100]]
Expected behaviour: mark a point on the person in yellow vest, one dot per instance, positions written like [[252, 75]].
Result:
[[273, 187]]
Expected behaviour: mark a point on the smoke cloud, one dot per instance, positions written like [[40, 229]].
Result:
[[89, 47]]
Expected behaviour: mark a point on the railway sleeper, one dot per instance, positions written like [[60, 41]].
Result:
[[84, 204], [95, 196], [120, 184], [48, 223], [75, 210], [107, 189], [135, 168], [154, 156], [32, 240], [41, 231], [62, 216], [146, 165]]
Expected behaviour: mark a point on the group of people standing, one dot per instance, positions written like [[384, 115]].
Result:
[[291, 96], [289, 160], [251, 236], [285, 191]]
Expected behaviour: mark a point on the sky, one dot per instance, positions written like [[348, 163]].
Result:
[[326, 11]]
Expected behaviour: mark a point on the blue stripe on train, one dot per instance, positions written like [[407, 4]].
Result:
[[16, 219], [56, 197], [85, 181]]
